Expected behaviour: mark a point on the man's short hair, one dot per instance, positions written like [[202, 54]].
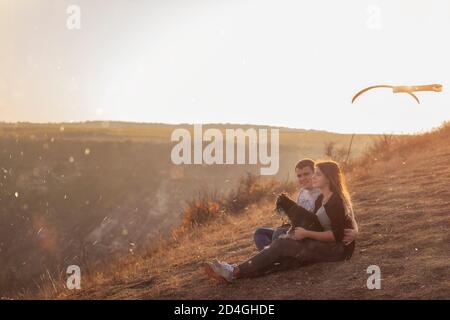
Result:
[[304, 163]]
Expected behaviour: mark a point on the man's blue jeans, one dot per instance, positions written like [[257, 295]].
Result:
[[264, 236]]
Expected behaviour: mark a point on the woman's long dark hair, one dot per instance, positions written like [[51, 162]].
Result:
[[332, 171]]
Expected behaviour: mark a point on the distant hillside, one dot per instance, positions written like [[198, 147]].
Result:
[[76, 193], [402, 204]]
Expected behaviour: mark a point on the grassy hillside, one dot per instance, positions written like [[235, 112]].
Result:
[[80, 193], [402, 204]]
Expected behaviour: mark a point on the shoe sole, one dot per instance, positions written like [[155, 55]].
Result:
[[212, 275]]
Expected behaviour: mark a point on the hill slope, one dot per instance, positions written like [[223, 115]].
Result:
[[402, 206], [80, 193]]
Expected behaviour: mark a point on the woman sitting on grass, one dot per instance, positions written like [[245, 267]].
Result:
[[333, 209]]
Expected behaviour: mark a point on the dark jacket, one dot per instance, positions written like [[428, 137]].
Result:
[[335, 210]]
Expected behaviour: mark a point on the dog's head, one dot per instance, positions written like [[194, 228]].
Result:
[[281, 203]]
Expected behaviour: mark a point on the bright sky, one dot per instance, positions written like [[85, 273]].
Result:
[[286, 62]]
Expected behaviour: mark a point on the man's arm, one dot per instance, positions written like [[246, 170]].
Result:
[[350, 235], [325, 236]]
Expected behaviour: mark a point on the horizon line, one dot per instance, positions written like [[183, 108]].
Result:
[[132, 122]]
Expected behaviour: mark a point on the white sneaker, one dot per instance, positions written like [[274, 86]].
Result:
[[227, 269], [220, 271]]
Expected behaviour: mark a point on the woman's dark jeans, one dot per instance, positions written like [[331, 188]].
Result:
[[290, 251], [264, 236]]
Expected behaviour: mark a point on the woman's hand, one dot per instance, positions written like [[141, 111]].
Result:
[[349, 236], [300, 233]]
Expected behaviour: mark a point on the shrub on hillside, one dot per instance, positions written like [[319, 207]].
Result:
[[251, 189], [339, 154], [201, 209], [381, 149]]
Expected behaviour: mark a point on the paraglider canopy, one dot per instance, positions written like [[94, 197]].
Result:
[[403, 89]]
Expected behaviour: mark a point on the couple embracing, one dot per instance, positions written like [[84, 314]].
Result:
[[322, 227]]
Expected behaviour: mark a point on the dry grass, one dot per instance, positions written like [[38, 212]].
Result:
[[402, 205], [77, 193]]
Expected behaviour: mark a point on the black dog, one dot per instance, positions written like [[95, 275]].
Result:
[[298, 216]]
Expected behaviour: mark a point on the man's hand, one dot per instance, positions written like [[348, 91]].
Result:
[[300, 233], [349, 236]]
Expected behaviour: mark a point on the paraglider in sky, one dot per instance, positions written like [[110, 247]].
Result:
[[403, 89]]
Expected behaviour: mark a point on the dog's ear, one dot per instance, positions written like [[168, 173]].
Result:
[[281, 197]]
